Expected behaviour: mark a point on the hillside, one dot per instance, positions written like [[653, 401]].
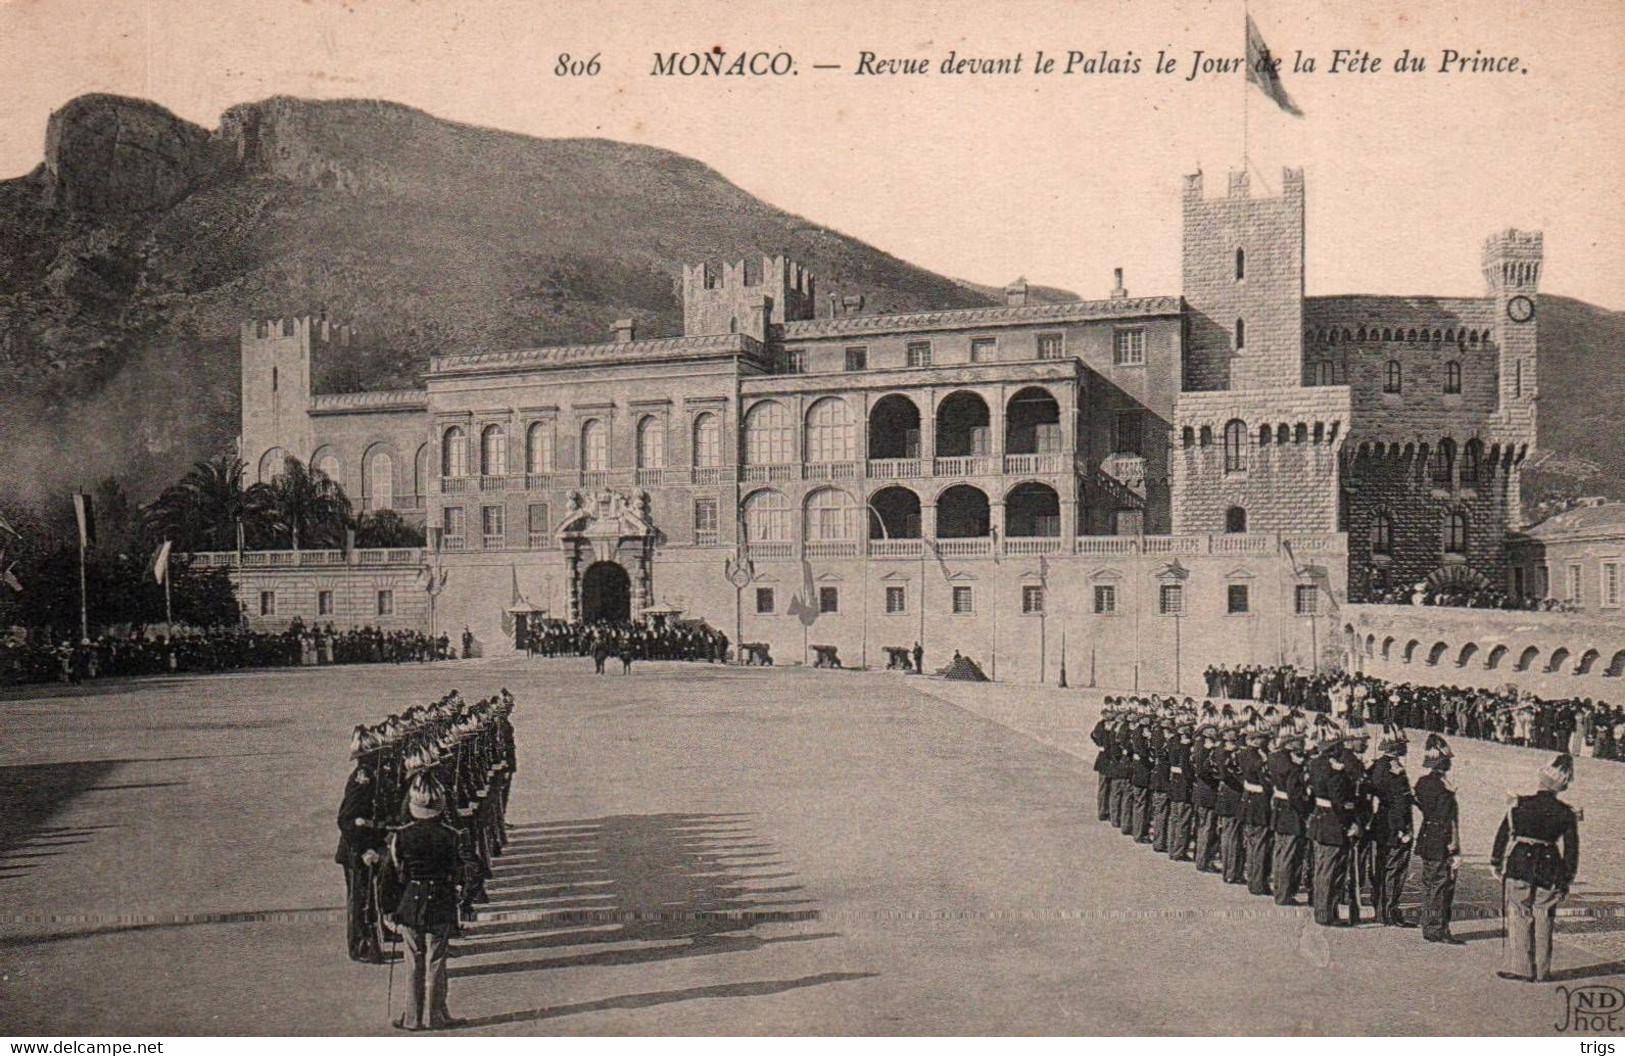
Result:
[[131, 254]]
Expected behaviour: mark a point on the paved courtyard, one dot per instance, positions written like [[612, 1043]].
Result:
[[703, 850]]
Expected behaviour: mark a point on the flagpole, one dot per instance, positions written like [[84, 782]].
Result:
[[84, 594], [1246, 105], [169, 612]]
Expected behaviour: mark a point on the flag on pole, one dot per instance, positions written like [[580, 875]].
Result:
[[160, 563], [84, 511], [804, 605], [1262, 70]]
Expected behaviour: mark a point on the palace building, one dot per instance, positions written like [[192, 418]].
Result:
[[1151, 483]]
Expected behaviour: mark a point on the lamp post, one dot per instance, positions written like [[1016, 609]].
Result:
[[864, 542]]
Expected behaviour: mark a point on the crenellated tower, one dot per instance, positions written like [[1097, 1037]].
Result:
[[746, 297], [276, 385]]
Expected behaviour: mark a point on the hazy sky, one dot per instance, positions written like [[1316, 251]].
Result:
[[1058, 178]]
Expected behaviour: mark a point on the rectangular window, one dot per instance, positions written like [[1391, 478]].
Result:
[[386, 603], [919, 353], [795, 361], [1051, 346], [857, 358], [1574, 584], [267, 603], [983, 349], [1543, 581], [764, 600], [1306, 599], [1325, 373], [1236, 600], [1128, 347], [538, 526], [451, 520], [1106, 600], [1610, 584], [829, 599], [964, 601], [491, 527], [705, 522], [1126, 433], [1171, 599], [324, 603], [896, 600], [1032, 600]]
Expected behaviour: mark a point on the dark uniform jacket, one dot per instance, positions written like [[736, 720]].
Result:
[[1289, 794], [1223, 765], [1140, 745], [1204, 788], [1159, 760], [1538, 825], [357, 805], [1179, 770], [1392, 789], [1122, 755], [1255, 787], [1334, 787], [1436, 840], [1102, 736], [429, 865]]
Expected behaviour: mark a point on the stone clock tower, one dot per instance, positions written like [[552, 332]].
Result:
[[1512, 262]]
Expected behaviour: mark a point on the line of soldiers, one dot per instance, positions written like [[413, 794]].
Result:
[[634, 641], [1283, 803], [461, 752]]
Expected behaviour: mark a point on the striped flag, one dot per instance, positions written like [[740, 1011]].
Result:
[[84, 511], [1262, 71], [160, 563]]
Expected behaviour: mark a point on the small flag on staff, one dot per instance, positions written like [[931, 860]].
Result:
[[1263, 70], [160, 563], [84, 511]]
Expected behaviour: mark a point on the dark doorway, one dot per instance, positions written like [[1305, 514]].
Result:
[[606, 593]]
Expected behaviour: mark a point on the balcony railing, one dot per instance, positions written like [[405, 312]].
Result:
[[705, 538], [1106, 544], [493, 483], [895, 547], [778, 474], [538, 541], [829, 471], [595, 478], [453, 485], [710, 474], [832, 548], [966, 466], [540, 481], [1048, 463], [897, 468], [979, 547], [768, 550], [1025, 545], [305, 558]]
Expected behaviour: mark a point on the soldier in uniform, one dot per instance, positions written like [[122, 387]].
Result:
[[1391, 829], [1255, 810], [1162, 738], [1232, 852], [1139, 819], [1333, 829], [1102, 736], [1179, 792], [1205, 755], [361, 842], [1355, 742], [425, 852], [1122, 767], [1438, 841], [1536, 855], [1290, 802]]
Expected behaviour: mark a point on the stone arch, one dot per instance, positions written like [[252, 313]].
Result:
[[1187, 438], [1410, 650], [1526, 659], [494, 451], [454, 452], [707, 440], [769, 434], [325, 459], [271, 464], [1032, 509], [963, 420], [594, 445], [1468, 651], [1205, 437], [829, 515], [1032, 422], [1263, 434], [539, 452], [894, 427], [1437, 653], [1388, 647], [1560, 656], [650, 440], [1588, 661], [1370, 645], [963, 512], [1283, 433], [829, 432], [894, 513], [1497, 654], [420, 472], [766, 516], [1300, 433], [378, 477], [1616, 666]]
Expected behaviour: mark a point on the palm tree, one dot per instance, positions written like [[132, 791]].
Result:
[[201, 511], [302, 504]]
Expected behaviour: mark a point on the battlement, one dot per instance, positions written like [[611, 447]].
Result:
[[746, 296], [1239, 185], [317, 329]]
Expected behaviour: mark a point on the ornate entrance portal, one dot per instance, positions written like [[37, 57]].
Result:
[[608, 546], [606, 593]]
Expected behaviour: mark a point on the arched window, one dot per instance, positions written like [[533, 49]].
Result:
[[1235, 443], [831, 517], [767, 518], [539, 448], [594, 446], [1263, 434], [1207, 436], [381, 479], [769, 437], [1235, 520], [1452, 378], [1444, 462], [1282, 434], [454, 453], [1188, 437], [707, 441], [420, 471], [1455, 533], [1241, 264], [651, 442], [1393, 378], [326, 463], [1471, 455], [1382, 535], [494, 451], [830, 436], [1241, 334]]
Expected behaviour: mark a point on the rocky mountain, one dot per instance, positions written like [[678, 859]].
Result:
[[129, 256]]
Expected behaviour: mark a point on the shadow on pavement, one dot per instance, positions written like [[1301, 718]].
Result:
[[30, 795], [629, 889]]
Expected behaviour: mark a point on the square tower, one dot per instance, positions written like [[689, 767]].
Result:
[[747, 297], [1243, 283], [276, 388]]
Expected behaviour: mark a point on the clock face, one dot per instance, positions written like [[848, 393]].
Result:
[[1520, 309]]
